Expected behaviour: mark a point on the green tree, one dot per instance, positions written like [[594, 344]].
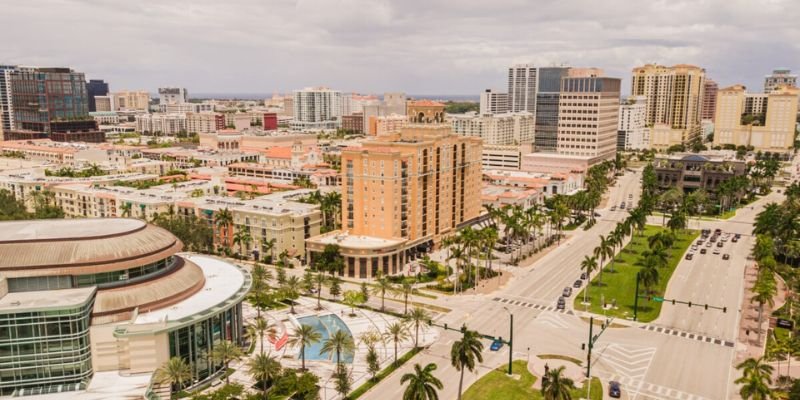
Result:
[[224, 352], [422, 384], [555, 386], [305, 335], [335, 286], [589, 265], [382, 287], [464, 353], [175, 372], [320, 279], [352, 299], [344, 383], [756, 379], [338, 343], [405, 290], [364, 291], [264, 370], [397, 332], [291, 290], [417, 318]]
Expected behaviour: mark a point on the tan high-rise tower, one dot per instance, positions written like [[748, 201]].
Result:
[[674, 101], [772, 131]]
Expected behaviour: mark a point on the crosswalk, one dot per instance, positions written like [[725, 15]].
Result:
[[537, 306], [649, 391], [687, 335]]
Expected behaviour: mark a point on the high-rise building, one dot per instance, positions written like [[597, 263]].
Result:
[[755, 103], [710, 89], [522, 80], [493, 102], [95, 87], [778, 78], [774, 133], [401, 193], [547, 95], [103, 103], [131, 100], [632, 133], [172, 95], [588, 117], [495, 129], [42, 97], [674, 101], [317, 108], [6, 105]]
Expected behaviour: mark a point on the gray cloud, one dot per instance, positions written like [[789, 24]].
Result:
[[436, 47]]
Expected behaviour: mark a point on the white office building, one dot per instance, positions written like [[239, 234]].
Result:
[[633, 133], [172, 95], [493, 102], [498, 129], [318, 108], [161, 124], [522, 88]]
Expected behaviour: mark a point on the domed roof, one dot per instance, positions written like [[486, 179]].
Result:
[[81, 246]]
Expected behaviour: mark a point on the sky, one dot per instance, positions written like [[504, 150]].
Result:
[[372, 46]]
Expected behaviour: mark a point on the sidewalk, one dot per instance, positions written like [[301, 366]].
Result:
[[747, 339]]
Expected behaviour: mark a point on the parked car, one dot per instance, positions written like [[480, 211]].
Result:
[[735, 239], [561, 303], [709, 244], [584, 275], [614, 389], [717, 231], [737, 236], [613, 208], [726, 256], [700, 242], [703, 251], [713, 239], [578, 283], [720, 244], [716, 251], [689, 256], [567, 292]]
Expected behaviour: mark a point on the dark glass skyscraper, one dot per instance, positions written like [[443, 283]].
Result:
[[547, 96], [95, 87], [42, 96]]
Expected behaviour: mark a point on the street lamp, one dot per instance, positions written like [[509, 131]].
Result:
[[510, 338]]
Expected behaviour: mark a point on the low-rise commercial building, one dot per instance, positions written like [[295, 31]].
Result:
[[690, 171]]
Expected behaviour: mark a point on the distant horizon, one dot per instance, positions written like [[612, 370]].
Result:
[[263, 96]]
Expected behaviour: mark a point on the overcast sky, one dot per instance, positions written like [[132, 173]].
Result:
[[372, 46]]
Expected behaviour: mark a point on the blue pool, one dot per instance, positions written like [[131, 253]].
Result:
[[326, 325]]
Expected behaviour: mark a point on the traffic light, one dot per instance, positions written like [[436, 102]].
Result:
[[445, 326], [706, 306], [583, 346], [690, 304], [724, 309], [673, 302]]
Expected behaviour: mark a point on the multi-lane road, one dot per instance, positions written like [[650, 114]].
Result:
[[684, 354]]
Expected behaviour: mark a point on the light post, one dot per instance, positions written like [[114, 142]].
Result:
[[510, 339]]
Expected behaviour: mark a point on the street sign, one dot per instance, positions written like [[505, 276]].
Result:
[[658, 299], [784, 323]]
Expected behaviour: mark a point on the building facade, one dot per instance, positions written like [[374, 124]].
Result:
[[401, 194], [493, 102], [522, 89], [776, 134], [674, 101], [547, 99], [6, 103], [425, 112], [172, 95], [495, 129], [778, 78], [588, 117], [317, 108], [94, 88], [353, 123], [689, 171], [42, 96], [207, 122], [131, 100], [166, 124], [633, 133], [710, 89]]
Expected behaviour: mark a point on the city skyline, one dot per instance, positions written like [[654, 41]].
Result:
[[374, 47]]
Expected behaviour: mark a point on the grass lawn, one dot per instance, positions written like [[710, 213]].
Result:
[[496, 385], [621, 283]]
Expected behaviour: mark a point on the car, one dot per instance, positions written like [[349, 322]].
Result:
[[706, 232], [561, 303], [713, 239], [720, 244], [689, 256], [496, 345], [584, 275], [622, 205], [614, 389], [716, 251], [734, 240], [737, 236], [578, 283], [726, 256], [700, 242], [702, 251], [567, 292], [597, 214], [717, 231], [613, 208], [694, 247], [709, 244]]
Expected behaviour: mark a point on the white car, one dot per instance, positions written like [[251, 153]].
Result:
[[716, 251]]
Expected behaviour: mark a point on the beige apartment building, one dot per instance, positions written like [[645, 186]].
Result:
[[777, 133], [674, 102], [131, 100], [401, 194], [204, 122], [588, 116]]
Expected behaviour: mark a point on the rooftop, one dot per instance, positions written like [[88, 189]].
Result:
[[70, 229], [222, 281], [45, 300], [344, 239]]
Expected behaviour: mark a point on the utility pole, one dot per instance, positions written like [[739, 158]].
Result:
[[592, 340], [510, 341], [636, 299]]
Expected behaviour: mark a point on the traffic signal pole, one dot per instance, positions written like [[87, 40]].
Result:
[[636, 299]]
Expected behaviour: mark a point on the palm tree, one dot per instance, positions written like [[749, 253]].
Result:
[[756, 378], [764, 291], [555, 386], [242, 238], [648, 274], [397, 332], [305, 335], [465, 353], [268, 247], [456, 253], [264, 369], [175, 372], [223, 220], [422, 385], [261, 326], [224, 352], [126, 210], [338, 343], [603, 250], [418, 317], [589, 264], [406, 290], [382, 287], [320, 279], [291, 289]]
